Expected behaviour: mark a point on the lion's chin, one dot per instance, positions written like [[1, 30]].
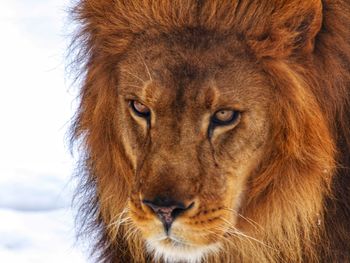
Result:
[[172, 250]]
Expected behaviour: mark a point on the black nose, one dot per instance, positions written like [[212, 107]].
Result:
[[167, 210]]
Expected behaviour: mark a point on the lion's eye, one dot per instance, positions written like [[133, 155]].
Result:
[[225, 117], [140, 109]]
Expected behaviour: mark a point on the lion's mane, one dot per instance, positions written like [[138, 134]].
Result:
[[304, 47]]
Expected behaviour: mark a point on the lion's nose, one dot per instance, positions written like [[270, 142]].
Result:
[[167, 210]]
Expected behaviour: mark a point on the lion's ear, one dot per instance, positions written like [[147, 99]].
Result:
[[290, 28]]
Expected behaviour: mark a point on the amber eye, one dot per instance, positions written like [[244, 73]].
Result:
[[140, 109], [225, 117]]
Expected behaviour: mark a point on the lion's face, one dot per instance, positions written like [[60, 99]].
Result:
[[195, 122]]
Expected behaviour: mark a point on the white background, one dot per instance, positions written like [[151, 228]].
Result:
[[36, 105]]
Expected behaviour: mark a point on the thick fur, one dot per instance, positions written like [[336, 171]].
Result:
[[299, 192]]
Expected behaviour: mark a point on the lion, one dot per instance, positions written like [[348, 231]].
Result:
[[214, 130]]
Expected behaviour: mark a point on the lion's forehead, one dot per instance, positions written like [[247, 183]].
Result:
[[207, 52], [176, 77]]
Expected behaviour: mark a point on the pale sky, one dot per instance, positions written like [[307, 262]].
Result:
[[36, 105], [36, 101]]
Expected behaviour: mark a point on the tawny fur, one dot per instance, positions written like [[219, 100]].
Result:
[[300, 193]]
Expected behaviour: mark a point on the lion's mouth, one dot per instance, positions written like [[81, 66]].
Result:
[[171, 240], [162, 245], [174, 242]]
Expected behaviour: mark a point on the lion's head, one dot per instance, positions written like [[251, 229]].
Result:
[[203, 134], [196, 122]]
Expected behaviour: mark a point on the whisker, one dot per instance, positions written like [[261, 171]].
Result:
[[235, 231], [222, 237], [133, 75], [117, 217], [147, 68], [121, 218], [132, 231], [123, 212], [249, 220], [132, 85]]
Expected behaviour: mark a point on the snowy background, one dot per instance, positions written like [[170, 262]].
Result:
[[36, 104]]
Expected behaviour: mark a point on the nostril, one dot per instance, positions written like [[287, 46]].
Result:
[[167, 212], [179, 210], [176, 212]]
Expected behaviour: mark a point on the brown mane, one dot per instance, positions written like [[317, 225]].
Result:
[[301, 192]]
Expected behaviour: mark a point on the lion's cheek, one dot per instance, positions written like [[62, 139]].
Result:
[[236, 178]]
